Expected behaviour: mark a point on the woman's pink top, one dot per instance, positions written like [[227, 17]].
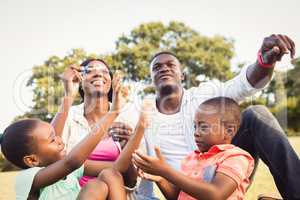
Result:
[[106, 150]]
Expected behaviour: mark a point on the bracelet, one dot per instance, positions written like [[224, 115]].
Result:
[[261, 61]]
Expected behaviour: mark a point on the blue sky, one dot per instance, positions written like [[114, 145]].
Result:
[[33, 30]]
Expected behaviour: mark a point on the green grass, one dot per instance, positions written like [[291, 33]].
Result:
[[263, 181]]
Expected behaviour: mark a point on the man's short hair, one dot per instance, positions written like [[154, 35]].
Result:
[[161, 53]]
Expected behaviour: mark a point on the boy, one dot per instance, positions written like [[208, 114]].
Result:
[[223, 169]]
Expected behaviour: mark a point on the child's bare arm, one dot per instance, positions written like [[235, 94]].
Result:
[[124, 160], [220, 188], [169, 190], [80, 152]]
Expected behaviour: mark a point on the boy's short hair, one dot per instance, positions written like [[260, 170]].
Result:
[[222, 106]]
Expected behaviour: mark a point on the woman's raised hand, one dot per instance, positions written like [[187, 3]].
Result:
[[71, 78]]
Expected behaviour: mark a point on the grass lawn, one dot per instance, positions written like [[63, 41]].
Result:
[[263, 181]]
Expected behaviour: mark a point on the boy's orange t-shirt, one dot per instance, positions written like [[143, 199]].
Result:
[[226, 159]]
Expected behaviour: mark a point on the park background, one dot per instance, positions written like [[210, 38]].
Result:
[[213, 39]]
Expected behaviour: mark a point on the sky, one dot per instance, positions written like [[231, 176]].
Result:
[[33, 30]]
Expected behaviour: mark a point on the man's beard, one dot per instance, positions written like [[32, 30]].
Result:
[[169, 88]]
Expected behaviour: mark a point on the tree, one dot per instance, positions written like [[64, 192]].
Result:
[[209, 56]]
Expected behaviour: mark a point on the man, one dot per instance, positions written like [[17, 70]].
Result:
[[259, 134]]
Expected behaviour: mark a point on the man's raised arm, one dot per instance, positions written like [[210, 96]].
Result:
[[271, 51]]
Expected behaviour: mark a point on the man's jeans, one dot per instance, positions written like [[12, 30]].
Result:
[[261, 135]]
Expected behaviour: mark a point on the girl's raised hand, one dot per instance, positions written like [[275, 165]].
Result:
[[118, 99], [147, 111]]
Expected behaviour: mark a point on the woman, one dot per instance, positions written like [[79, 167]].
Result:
[[96, 92]]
